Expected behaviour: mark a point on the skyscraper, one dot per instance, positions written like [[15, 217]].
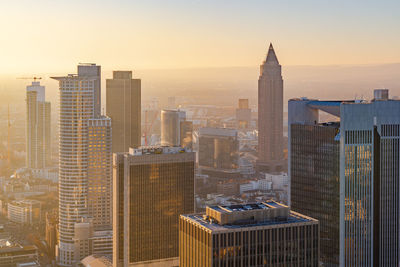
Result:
[[84, 159], [151, 188], [256, 234], [243, 114], [270, 114], [170, 127], [38, 120], [124, 108], [314, 170], [369, 182], [99, 173]]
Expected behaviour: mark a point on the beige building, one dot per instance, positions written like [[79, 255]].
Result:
[[151, 188], [99, 172], [270, 114], [257, 234], [124, 108], [38, 120], [24, 211]]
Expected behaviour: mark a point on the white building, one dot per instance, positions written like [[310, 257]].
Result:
[[24, 211]]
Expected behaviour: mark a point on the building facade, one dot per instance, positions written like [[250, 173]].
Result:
[[172, 126], [243, 114], [99, 172], [369, 182], [270, 114], [38, 129], [258, 234], [151, 188], [24, 211], [84, 159], [124, 108]]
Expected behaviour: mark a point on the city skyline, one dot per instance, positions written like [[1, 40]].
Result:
[[180, 34]]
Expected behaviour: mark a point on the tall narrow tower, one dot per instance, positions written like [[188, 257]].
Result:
[[38, 142], [270, 114]]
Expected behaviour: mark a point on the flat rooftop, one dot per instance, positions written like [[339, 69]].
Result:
[[149, 150]]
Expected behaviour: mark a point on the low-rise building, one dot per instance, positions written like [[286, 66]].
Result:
[[24, 211]]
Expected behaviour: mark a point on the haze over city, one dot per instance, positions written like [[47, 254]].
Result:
[[165, 133]]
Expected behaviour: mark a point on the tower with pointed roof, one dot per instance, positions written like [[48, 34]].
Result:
[[270, 114]]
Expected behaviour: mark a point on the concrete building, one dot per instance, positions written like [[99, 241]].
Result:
[[152, 186], [369, 182], [13, 255], [99, 173], [270, 114], [24, 211], [243, 114], [258, 234], [124, 108], [38, 129], [84, 159]]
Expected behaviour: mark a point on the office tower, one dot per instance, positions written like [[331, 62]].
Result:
[[124, 109], [151, 188], [257, 234], [314, 170], [170, 127], [270, 114], [243, 114], [83, 158], [94, 72], [38, 119], [99, 172], [218, 150], [369, 182], [186, 132]]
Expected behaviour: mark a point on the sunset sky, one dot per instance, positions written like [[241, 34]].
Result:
[[54, 35]]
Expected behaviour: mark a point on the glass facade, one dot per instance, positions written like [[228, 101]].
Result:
[[315, 184]]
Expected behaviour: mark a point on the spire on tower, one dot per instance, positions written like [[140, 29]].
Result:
[[271, 56]]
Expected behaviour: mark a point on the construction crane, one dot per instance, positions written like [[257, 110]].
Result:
[[30, 78]]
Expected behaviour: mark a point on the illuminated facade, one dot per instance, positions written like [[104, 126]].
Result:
[[258, 234], [38, 120], [151, 188], [369, 182], [99, 172], [84, 159], [270, 114], [124, 108]]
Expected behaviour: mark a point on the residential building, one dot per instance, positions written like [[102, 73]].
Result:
[[257, 234], [24, 211], [38, 129]]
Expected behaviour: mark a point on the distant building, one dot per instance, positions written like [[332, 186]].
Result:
[[24, 211], [258, 234], [96, 261], [175, 128], [243, 114], [38, 129], [152, 186], [218, 150], [369, 182], [17, 255], [124, 109], [270, 114]]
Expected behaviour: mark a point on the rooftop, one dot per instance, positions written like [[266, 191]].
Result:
[[151, 150], [223, 218]]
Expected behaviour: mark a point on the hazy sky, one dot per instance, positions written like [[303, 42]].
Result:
[[39, 36]]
